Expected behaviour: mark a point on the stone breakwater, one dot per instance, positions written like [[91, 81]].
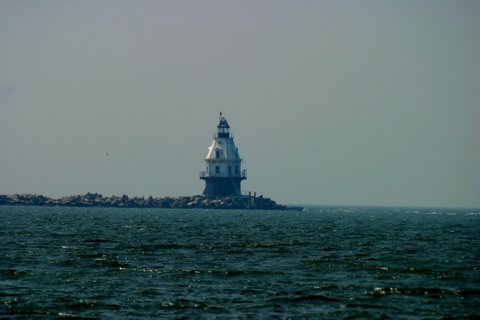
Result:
[[185, 202]]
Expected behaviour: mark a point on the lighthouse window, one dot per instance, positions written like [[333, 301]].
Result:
[[217, 153], [236, 169], [229, 170], [217, 169]]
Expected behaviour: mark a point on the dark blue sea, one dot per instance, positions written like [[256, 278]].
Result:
[[323, 263]]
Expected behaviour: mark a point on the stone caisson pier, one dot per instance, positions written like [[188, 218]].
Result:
[[185, 202]]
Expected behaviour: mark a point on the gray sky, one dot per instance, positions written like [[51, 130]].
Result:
[[331, 102]]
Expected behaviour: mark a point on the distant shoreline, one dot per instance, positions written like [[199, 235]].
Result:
[[183, 202]]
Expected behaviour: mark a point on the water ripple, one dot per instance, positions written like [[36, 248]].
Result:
[[329, 262]]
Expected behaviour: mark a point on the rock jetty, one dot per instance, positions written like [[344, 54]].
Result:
[[185, 202]]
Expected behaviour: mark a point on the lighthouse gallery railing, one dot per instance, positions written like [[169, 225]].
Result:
[[243, 174]]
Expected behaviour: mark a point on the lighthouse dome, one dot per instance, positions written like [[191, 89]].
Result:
[[223, 122]]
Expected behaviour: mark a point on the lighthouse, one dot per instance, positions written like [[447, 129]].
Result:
[[223, 173]]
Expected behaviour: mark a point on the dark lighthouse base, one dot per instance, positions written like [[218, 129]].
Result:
[[216, 187]]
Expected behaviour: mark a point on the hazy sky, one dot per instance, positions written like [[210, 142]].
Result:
[[331, 102]]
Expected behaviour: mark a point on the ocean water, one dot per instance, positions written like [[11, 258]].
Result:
[[324, 263]]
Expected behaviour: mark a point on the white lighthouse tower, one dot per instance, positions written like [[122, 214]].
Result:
[[223, 173]]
